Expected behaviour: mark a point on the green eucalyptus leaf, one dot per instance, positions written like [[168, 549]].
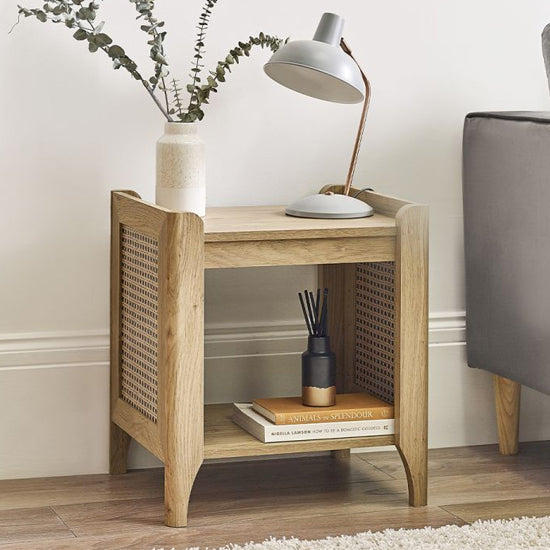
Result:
[[116, 51], [80, 34], [102, 39], [159, 58]]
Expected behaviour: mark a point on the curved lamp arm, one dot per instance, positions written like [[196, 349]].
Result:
[[359, 137]]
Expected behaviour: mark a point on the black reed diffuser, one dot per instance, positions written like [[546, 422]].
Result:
[[318, 362]]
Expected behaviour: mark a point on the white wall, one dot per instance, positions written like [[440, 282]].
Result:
[[72, 129]]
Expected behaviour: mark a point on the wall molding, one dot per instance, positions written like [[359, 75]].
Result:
[[89, 348], [447, 328], [43, 349]]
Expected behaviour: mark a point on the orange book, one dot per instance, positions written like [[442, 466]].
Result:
[[349, 406]]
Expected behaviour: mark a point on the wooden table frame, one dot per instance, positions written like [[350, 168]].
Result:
[[158, 259]]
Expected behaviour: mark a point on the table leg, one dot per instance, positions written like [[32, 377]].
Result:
[[118, 450], [340, 280], [181, 361], [411, 374], [342, 454]]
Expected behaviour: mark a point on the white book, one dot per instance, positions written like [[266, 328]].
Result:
[[264, 430]]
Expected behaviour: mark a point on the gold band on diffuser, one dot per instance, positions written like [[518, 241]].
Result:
[[318, 397]]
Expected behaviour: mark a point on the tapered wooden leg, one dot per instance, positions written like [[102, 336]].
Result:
[[416, 467], [507, 399], [178, 483], [118, 450], [411, 373], [181, 362], [341, 454]]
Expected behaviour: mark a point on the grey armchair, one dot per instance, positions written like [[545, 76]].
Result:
[[506, 190]]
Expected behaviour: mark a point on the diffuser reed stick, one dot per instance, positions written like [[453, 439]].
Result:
[[316, 313]]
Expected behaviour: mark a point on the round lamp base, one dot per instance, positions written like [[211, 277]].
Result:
[[329, 206]]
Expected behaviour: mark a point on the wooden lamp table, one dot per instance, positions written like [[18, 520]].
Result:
[[376, 269]]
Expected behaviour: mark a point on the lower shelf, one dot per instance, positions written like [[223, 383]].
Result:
[[224, 439]]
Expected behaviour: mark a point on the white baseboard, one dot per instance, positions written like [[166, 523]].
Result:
[[44, 349], [447, 328], [54, 391]]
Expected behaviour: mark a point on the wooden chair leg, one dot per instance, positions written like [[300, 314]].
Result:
[[118, 450], [507, 399]]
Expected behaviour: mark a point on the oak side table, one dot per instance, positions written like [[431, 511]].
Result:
[[377, 272]]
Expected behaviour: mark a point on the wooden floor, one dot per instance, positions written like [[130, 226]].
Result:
[[305, 497]]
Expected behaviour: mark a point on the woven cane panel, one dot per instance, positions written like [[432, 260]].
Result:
[[139, 321], [375, 328]]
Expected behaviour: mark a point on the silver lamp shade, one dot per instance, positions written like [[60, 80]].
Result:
[[320, 68], [317, 70]]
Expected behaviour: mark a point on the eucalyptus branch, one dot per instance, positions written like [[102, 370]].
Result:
[[204, 20], [145, 9], [177, 98], [202, 93], [74, 15], [157, 102], [15, 24], [80, 15]]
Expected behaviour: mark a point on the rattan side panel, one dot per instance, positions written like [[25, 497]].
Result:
[[139, 321], [375, 328]]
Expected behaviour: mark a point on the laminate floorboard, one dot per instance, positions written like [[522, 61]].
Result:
[[32, 524], [500, 509], [241, 532], [30, 493], [308, 497], [479, 459]]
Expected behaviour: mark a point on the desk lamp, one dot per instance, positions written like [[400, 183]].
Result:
[[325, 68]]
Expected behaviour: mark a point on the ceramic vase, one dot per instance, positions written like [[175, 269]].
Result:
[[318, 373], [180, 182]]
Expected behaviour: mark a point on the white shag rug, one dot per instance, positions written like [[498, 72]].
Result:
[[514, 534]]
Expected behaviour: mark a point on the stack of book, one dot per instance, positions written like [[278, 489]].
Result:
[[286, 419]]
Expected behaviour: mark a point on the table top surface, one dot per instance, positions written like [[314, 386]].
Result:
[[253, 223]]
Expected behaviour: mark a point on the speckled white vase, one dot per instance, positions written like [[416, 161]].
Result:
[[181, 168]]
